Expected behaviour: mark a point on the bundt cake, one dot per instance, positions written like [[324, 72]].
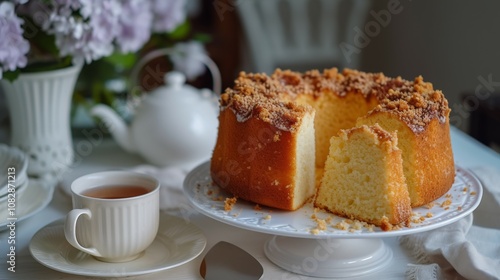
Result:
[[274, 132], [364, 178]]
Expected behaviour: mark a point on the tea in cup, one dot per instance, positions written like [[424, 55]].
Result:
[[115, 214]]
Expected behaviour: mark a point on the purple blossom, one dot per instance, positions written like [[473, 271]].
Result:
[[134, 25], [168, 14], [86, 30], [88, 37], [13, 47]]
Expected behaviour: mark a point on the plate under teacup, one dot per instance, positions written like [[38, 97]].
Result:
[[177, 243]]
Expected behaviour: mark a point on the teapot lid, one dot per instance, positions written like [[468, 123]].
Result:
[[175, 82], [174, 79]]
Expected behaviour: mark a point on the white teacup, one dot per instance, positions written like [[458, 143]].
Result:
[[115, 214]]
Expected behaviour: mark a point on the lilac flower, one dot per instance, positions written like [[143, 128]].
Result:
[[85, 30], [88, 37], [13, 47], [168, 14], [134, 25], [188, 58], [102, 26]]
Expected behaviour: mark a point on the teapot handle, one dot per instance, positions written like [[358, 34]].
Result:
[[212, 67]]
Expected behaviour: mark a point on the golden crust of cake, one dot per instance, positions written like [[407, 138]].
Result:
[[252, 161]]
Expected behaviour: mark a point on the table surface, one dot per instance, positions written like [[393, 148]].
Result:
[[107, 155]]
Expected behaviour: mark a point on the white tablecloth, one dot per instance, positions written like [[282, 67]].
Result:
[[107, 156]]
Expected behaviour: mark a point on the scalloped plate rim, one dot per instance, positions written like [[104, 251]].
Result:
[[200, 176]]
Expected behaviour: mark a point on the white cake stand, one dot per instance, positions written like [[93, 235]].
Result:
[[345, 248]]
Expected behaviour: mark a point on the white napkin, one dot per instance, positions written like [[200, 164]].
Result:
[[171, 180], [462, 250]]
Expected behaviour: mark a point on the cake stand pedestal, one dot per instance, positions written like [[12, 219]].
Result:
[[328, 257], [357, 251]]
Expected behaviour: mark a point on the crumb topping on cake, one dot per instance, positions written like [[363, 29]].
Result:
[[416, 103], [271, 98]]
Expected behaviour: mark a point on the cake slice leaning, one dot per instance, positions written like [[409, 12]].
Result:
[[363, 178]]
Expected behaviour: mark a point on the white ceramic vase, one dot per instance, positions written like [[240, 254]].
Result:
[[39, 105]]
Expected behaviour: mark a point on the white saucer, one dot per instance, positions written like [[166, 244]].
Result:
[[177, 242], [19, 187], [15, 162], [29, 200]]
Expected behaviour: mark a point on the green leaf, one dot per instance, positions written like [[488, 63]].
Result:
[[38, 67], [99, 71], [11, 75], [203, 38], [122, 60], [41, 42], [181, 32], [157, 41], [46, 43], [48, 65]]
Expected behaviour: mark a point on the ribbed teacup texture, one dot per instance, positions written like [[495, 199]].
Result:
[[120, 230]]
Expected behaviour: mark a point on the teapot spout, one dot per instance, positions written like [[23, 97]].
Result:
[[117, 127]]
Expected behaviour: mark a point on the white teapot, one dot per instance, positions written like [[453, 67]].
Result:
[[174, 125]]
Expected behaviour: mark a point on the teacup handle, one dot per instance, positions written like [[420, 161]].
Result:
[[70, 230]]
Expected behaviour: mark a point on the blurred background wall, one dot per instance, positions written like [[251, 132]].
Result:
[[453, 44]]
